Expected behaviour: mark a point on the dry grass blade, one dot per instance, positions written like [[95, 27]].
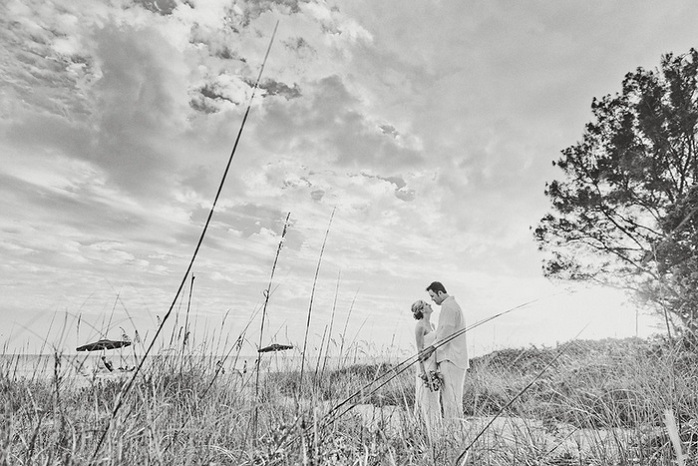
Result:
[[334, 308], [310, 305], [185, 339], [346, 323], [672, 428], [267, 293]]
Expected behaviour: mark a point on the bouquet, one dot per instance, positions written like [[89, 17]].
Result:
[[433, 380]]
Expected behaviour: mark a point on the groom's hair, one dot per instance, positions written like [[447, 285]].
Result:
[[436, 287]]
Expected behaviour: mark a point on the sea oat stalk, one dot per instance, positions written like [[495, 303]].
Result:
[[267, 293], [310, 306]]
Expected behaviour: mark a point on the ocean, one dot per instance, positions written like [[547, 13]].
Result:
[[97, 365]]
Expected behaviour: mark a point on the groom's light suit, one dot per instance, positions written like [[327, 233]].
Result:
[[452, 358]]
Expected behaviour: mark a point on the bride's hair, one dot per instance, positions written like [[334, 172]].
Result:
[[417, 307]]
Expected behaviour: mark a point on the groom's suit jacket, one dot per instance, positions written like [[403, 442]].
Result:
[[451, 320]]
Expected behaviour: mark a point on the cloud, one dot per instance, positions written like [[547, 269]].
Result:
[[163, 7], [353, 140]]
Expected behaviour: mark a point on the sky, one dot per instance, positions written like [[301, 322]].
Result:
[[410, 141]]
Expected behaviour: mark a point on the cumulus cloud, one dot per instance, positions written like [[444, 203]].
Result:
[[332, 127]]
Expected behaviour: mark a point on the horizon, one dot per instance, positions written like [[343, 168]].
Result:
[[312, 357]]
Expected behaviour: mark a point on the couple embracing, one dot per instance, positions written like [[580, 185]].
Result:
[[443, 358]]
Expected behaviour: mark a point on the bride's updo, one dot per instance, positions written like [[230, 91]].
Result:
[[417, 307]]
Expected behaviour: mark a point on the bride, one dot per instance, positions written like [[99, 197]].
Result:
[[427, 402]]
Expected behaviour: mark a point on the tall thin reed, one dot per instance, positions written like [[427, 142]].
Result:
[[221, 332], [111, 314], [186, 318], [131, 381], [334, 308], [136, 336], [267, 293], [346, 322], [175, 324], [319, 356], [310, 310]]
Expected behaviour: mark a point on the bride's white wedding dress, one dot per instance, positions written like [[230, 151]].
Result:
[[427, 403]]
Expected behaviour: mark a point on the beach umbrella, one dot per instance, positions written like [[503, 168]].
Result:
[[274, 347], [103, 344]]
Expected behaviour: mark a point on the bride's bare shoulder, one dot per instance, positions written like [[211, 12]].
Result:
[[423, 327]]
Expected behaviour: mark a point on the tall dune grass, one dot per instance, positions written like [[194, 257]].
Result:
[[602, 403]]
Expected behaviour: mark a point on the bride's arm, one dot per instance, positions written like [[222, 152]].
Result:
[[419, 338]]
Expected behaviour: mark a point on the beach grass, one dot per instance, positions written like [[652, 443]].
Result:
[[600, 403]]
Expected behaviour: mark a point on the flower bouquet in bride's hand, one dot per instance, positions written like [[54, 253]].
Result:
[[432, 379]]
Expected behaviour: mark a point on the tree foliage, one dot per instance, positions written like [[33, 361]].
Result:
[[625, 212]]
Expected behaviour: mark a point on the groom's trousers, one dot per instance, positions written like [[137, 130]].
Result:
[[452, 391]]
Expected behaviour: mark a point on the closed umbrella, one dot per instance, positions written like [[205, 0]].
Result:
[[274, 347], [103, 344]]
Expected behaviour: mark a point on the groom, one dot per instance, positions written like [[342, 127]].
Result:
[[451, 357]]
